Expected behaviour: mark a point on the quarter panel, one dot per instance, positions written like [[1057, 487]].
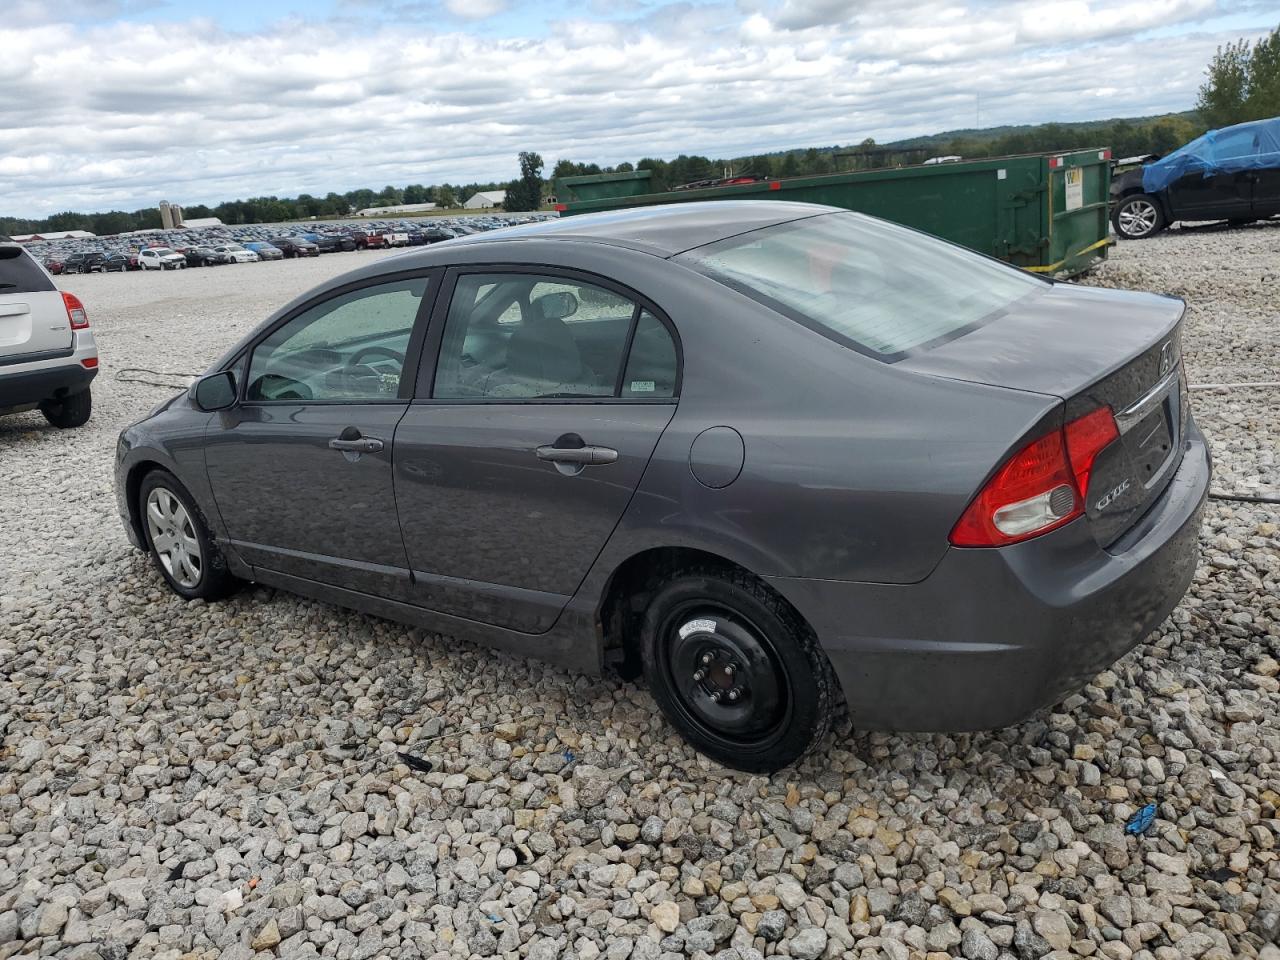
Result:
[[853, 469]]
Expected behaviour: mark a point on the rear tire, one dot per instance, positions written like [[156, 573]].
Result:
[[1138, 216], [180, 541], [736, 670], [71, 411]]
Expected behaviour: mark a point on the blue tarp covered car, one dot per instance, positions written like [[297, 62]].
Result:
[[1228, 174]]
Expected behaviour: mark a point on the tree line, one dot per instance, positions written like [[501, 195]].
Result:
[[253, 210]]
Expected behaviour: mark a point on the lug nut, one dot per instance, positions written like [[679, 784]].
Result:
[[730, 669], [735, 695], [699, 676], [706, 658], [715, 696]]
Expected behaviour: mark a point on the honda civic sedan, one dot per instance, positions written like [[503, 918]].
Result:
[[782, 459]]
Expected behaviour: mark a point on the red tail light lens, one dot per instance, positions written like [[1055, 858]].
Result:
[[1086, 438], [1040, 488], [75, 311]]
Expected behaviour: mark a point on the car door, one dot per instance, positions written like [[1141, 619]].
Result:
[[537, 409], [1226, 193], [301, 466], [1266, 183]]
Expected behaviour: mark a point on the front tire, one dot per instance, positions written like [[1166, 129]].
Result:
[[736, 670], [1138, 216], [71, 411], [179, 540]]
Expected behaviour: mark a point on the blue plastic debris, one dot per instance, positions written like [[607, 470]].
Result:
[[569, 756], [494, 918], [1141, 821]]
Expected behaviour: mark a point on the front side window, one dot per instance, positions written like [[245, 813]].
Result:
[[351, 347], [1235, 145], [880, 288], [529, 337]]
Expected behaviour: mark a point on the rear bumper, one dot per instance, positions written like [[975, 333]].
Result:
[[24, 384], [992, 635], [22, 389]]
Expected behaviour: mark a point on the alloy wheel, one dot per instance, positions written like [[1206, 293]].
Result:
[[173, 538], [1138, 218]]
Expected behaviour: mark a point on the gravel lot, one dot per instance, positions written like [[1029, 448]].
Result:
[[192, 780]]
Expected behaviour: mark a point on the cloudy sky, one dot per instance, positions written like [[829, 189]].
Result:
[[121, 103]]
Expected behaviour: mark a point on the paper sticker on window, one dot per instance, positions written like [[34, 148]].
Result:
[[642, 386], [1075, 188]]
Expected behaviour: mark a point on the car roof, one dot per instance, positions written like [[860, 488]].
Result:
[[663, 229]]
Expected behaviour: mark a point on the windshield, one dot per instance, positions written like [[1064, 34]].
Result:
[[880, 288], [162, 251]]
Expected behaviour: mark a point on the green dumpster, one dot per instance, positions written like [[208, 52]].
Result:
[[602, 186], [1043, 212]]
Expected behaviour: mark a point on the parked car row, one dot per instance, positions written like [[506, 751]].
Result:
[[215, 246]]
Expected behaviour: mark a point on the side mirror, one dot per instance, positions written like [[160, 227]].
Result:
[[556, 306], [215, 392]]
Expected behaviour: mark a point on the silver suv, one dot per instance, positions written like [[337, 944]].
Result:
[[47, 354]]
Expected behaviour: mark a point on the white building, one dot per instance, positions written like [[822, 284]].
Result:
[[60, 235], [199, 223], [485, 199], [392, 211]]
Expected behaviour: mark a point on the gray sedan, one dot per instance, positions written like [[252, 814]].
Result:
[[781, 458]]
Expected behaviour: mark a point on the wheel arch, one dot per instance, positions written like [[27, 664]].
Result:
[[624, 597], [133, 489]]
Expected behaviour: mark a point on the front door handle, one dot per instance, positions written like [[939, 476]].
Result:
[[586, 456], [356, 444], [351, 442]]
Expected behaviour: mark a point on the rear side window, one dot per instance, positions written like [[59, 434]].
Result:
[[880, 288], [523, 336], [20, 274]]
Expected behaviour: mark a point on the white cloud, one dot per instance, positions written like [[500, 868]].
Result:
[[476, 9], [100, 113]]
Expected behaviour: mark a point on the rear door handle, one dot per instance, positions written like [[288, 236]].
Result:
[[359, 445], [584, 456]]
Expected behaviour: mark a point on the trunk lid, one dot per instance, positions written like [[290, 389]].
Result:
[[33, 318], [1090, 347]]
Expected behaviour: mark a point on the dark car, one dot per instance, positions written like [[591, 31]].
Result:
[[775, 455], [116, 263], [332, 242], [202, 256], [1230, 174], [85, 263], [264, 250], [295, 247]]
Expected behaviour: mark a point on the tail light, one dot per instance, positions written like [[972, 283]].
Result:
[[75, 311], [1039, 488]]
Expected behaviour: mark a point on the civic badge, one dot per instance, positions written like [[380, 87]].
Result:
[[1166, 358]]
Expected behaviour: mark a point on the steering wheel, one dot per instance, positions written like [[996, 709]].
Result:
[[358, 358]]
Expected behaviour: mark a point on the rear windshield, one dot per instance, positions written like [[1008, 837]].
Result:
[[20, 274], [880, 288]]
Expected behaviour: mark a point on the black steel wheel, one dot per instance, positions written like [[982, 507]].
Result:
[[736, 671]]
